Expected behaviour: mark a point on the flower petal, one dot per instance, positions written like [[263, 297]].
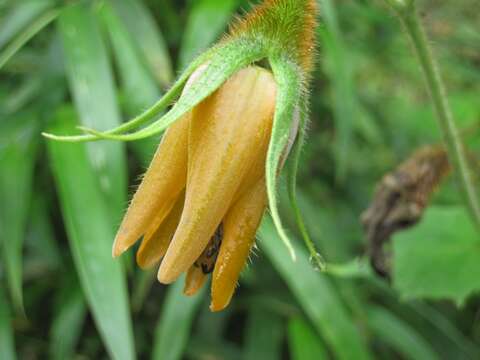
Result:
[[226, 132], [157, 239], [194, 281], [163, 181], [240, 225], [204, 265]]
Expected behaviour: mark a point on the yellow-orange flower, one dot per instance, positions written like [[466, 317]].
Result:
[[203, 196]]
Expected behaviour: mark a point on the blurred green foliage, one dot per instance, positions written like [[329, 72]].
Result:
[[98, 63]]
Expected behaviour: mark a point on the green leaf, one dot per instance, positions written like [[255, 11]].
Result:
[[200, 349], [398, 334], [40, 242], [457, 341], [264, 335], [143, 280], [19, 17], [90, 234], [67, 325], [316, 296], [340, 72], [303, 343], [139, 87], [7, 347], [173, 328], [439, 258], [207, 19], [146, 34], [18, 150], [28, 32], [92, 87]]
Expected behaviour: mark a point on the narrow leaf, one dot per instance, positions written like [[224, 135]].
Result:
[[200, 348], [143, 280], [316, 295], [17, 159], [19, 17], [173, 328], [139, 87], [7, 347], [399, 335], [264, 335], [91, 84], [303, 342], [456, 340], [67, 324], [30, 31], [207, 19], [90, 233], [338, 67], [146, 34], [40, 241]]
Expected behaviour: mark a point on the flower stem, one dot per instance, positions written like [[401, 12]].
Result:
[[408, 14]]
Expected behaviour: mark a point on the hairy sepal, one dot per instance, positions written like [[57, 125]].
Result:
[[286, 26], [292, 170], [289, 81], [146, 116]]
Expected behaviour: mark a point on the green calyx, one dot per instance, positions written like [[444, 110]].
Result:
[[283, 27]]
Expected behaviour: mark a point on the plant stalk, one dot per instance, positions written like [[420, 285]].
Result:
[[408, 14]]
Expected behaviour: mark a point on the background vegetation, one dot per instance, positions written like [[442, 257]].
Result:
[[100, 62]]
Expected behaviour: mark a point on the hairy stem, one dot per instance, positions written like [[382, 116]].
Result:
[[456, 152]]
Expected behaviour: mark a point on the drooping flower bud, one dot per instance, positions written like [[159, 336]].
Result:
[[229, 133]]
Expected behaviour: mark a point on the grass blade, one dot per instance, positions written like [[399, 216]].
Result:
[[207, 20], [92, 87], [17, 159], [141, 26], [455, 338], [399, 335], [40, 242], [173, 328], [90, 235], [139, 87], [340, 73], [264, 335], [30, 31], [19, 17], [303, 342], [316, 295], [7, 347], [68, 322]]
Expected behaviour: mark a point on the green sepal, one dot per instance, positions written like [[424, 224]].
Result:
[[220, 64], [289, 90], [148, 114], [292, 170]]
